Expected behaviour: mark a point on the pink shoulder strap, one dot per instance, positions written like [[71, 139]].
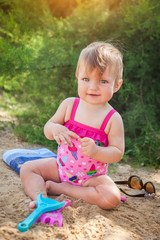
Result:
[[106, 120], [74, 109]]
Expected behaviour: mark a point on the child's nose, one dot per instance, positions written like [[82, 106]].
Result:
[[93, 85]]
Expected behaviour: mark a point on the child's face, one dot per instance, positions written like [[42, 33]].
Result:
[[95, 88]]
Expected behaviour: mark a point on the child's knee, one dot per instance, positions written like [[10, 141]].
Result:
[[109, 203], [109, 200], [25, 169]]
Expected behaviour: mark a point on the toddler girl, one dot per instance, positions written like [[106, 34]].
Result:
[[89, 133]]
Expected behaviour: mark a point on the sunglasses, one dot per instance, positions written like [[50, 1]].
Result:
[[135, 182]]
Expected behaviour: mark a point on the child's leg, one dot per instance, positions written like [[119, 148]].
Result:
[[35, 173], [100, 190]]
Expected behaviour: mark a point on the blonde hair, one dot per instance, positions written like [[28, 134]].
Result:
[[101, 55]]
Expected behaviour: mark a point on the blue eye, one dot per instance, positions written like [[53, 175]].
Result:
[[103, 81], [86, 79]]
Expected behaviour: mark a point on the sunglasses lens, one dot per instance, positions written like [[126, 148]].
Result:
[[135, 183], [149, 187]]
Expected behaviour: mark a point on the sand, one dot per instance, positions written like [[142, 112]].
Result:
[[136, 219]]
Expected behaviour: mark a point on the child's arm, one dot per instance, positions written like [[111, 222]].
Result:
[[115, 149], [54, 129]]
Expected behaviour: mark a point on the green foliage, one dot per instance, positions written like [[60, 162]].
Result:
[[39, 47]]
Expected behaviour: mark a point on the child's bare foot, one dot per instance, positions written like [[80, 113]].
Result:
[[53, 188], [32, 205]]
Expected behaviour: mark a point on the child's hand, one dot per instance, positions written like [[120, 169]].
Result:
[[63, 135], [88, 146]]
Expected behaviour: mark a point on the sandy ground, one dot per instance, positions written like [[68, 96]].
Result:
[[136, 219]]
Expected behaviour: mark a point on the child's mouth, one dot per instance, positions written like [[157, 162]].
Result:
[[94, 95]]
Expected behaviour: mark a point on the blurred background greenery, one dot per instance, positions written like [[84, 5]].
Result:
[[40, 42]]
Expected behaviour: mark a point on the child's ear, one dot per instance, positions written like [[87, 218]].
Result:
[[118, 85]]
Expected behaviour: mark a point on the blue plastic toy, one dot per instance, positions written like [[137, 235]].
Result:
[[43, 205]]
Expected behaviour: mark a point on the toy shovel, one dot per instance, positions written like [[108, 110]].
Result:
[[43, 205]]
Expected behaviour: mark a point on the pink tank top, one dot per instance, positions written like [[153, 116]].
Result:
[[74, 167]]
